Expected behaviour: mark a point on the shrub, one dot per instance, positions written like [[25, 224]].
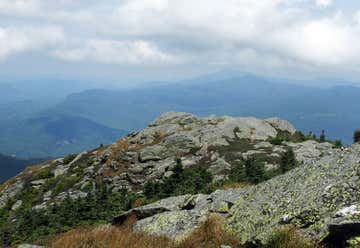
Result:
[[276, 141], [286, 136], [31, 225], [68, 159], [238, 173], [42, 174], [288, 160], [65, 183], [299, 137], [191, 180], [255, 170], [338, 144], [152, 189]]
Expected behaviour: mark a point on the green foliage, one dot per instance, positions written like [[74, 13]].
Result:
[[42, 174], [29, 197], [64, 183], [88, 187], [238, 173], [183, 181], [356, 136], [276, 141], [31, 225], [236, 130], [338, 144], [152, 189], [288, 160], [68, 159], [255, 170], [300, 137], [283, 136], [322, 136]]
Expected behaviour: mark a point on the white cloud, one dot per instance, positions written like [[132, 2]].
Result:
[[22, 7], [324, 3], [15, 40], [268, 33], [279, 27], [357, 17], [117, 52], [326, 41]]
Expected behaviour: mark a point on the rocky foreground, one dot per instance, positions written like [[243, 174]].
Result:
[[321, 196]]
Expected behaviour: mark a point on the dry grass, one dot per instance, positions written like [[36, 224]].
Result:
[[138, 202], [158, 138], [120, 147], [209, 235], [290, 237], [6, 184], [235, 185], [108, 236]]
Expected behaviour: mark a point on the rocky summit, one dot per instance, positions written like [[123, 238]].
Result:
[[321, 196]]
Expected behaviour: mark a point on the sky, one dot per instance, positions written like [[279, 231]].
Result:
[[150, 40]]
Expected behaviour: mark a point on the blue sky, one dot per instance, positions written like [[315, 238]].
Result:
[[146, 40]]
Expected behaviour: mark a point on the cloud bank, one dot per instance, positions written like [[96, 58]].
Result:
[[271, 34]]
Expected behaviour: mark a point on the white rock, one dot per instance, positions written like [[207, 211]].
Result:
[[16, 205], [348, 211]]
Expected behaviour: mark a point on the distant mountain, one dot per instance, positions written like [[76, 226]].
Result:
[[334, 109], [36, 121], [41, 90], [10, 166], [54, 135]]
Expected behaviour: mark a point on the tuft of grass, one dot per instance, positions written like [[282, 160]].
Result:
[[210, 234], [289, 237]]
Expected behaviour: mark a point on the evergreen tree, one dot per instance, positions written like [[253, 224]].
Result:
[[170, 184], [356, 136], [338, 144], [298, 137], [288, 160], [152, 189], [238, 173], [322, 136], [255, 170]]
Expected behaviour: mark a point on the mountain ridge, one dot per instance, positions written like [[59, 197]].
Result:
[[204, 154]]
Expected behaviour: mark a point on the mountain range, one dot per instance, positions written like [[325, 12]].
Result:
[[333, 109], [81, 117]]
